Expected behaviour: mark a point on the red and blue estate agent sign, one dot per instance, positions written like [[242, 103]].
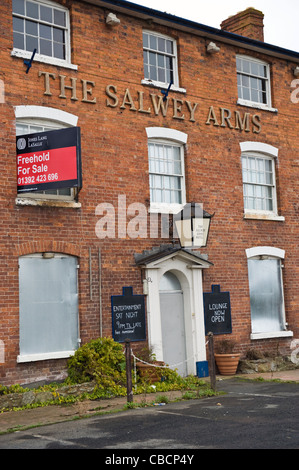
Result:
[[49, 160]]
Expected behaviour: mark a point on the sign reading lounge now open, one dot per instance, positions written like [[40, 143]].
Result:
[[49, 160]]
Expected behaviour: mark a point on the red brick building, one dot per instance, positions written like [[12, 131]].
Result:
[[225, 136]]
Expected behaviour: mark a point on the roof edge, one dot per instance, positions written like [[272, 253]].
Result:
[[196, 28]]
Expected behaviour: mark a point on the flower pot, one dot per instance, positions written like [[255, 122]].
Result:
[[149, 372], [227, 363]]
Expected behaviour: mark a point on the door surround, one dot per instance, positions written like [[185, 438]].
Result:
[[187, 266]]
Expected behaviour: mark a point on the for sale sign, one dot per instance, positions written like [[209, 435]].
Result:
[[49, 160]]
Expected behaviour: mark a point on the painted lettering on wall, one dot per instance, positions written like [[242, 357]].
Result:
[[149, 103]]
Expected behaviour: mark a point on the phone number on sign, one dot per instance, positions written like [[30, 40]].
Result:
[[38, 179]]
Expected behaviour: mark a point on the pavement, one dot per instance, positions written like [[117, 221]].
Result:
[[13, 421]]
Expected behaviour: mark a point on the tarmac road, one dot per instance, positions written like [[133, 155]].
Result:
[[250, 415]]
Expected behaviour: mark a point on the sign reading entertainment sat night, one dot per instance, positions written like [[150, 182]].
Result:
[[49, 160]]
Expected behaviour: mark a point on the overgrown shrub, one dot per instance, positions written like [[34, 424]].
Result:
[[102, 360]]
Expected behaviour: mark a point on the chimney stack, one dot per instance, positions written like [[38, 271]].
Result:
[[249, 23]]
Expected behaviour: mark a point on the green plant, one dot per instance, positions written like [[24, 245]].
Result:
[[4, 390], [162, 399], [101, 360], [189, 395], [147, 355]]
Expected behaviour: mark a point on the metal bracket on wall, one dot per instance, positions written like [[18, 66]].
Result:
[[29, 62]]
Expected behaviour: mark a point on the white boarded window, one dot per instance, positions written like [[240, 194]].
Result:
[[266, 295], [48, 296], [265, 265]]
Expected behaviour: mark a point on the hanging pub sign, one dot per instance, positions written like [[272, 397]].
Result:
[[217, 311], [128, 316], [49, 160]]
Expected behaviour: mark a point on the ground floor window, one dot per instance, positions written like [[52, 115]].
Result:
[[48, 296], [266, 290]]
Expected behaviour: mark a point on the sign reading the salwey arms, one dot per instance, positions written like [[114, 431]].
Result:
[[148, 102], [49, 160]]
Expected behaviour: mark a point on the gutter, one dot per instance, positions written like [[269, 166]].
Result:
[[197, 29]]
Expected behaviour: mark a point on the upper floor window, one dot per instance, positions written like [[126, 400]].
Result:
[[165, 165], [41, 25], [166, 169], [253, 82], [33, 119], [259, 180], [160, 59]]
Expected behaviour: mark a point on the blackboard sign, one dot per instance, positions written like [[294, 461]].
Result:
[[49, 160], [128, 316], [217, 312]]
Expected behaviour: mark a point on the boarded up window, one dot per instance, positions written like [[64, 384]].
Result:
[[48, 304]]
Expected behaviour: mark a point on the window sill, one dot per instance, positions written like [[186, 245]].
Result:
[[44, 356], [263, 216], [43, 59], [162, 85], [273, 334], [260, 106], [47, 203]]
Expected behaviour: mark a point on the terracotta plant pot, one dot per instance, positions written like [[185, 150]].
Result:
[[227, 363]]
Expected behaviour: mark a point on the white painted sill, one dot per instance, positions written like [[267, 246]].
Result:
[[160, 208], [273, 334], [20, 201], [43, 59], [162, 85], [261, 106], [265, 216], [44, 356]]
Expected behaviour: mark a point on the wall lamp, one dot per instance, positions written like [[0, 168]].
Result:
[[192, 226], [296, 72]]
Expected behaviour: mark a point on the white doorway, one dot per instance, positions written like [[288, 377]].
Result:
[[176, 299]]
